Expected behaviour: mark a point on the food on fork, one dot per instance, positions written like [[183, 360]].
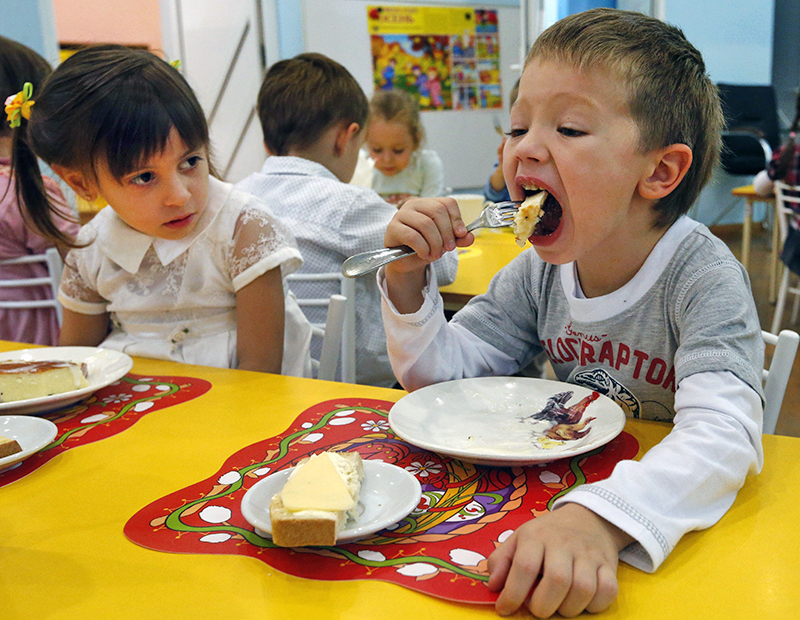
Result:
[[528, 215], [319, 496], [22, 380], [8, 447], [539, 215]]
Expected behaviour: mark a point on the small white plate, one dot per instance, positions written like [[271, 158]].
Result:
[[388, 494], [487, 420], [103, 366], [31, 433]]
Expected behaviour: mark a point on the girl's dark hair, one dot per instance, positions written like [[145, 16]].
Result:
[[107, 103], [19, 64], [781, 167]]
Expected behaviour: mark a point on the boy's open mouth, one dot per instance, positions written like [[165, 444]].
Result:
[[550, 215]]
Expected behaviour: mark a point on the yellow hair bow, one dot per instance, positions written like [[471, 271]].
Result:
[[19, 106]]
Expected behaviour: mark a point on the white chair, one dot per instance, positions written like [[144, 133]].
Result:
[[52, 259], [787, 207], [776, 376], [345, 343]]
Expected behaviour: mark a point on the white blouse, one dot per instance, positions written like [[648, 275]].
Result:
[[176, 299]]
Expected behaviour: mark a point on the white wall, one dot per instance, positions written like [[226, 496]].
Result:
[[735, 38]]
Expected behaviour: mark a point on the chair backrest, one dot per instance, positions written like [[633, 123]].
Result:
[[751, 107], [776, 376], [751, 130], [788, 205], [52, 260], [346, 344], [744, 153]]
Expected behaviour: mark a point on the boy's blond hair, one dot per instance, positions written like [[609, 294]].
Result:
[[671, 97]]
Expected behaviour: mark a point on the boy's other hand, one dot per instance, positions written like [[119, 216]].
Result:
[[564, 561], [497, 180], [397, 199], [430, 226]]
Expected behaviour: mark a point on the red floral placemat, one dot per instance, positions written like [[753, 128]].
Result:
[[110, 410], [441, 548]]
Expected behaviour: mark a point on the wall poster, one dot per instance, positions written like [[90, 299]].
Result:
[[448, 58]]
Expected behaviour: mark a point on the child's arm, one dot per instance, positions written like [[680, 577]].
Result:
[[563, 561], [431, 226], [87, 330], [260, 322], [497, 181]]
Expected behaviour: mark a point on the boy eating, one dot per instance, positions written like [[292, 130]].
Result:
[[618, 122]]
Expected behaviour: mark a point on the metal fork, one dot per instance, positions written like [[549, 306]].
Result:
[[494, 215]]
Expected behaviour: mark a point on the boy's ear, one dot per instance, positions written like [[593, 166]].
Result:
[[78, 181], [670, 166], [344, 135]]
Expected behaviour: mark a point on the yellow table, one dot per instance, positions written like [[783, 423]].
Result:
[[750, 197], [64, 555], [493, 249], [87, 210]]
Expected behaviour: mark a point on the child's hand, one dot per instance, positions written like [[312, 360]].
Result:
[[398, 199], [497, 180], [431, 227], [563, 561]]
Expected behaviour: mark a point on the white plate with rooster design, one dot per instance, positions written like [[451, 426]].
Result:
[[506, 421]]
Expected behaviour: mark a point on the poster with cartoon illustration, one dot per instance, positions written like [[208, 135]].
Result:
[[448, 58]]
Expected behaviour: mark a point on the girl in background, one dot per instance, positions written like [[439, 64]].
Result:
[[179, 266], [402, 169], [785, 166], [18, 236]]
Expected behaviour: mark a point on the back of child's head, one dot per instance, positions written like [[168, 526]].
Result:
[[106, 105], [398, 106], [302, 97], [19, 64], [671, 97]]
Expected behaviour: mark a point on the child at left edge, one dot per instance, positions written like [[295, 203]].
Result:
[[20, 64], [626, 294], [180, 266]]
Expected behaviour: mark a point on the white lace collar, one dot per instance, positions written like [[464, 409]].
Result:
[[127, 247]]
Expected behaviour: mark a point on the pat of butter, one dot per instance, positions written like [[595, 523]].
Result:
[[527, 216], [316, 485]]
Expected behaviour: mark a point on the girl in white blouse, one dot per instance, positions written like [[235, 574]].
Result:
[[181, 266]]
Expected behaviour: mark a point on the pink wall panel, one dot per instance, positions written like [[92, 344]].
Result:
[[109, 21]]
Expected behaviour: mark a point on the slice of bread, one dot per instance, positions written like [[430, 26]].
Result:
[[8, 447], [317, 500]]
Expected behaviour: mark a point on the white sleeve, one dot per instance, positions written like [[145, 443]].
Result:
[[690, 479], [446, 268], [763, 185], [432, 174], [425, 349]]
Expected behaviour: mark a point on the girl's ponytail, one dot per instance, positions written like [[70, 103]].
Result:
[[31, 192]]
